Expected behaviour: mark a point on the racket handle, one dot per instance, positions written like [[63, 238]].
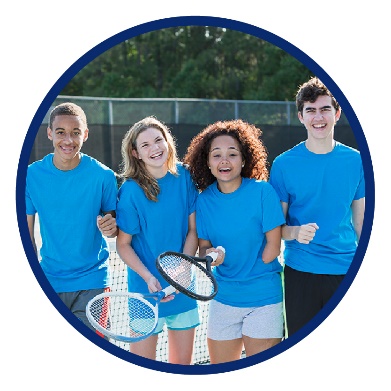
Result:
[[169, 290], [221, 248], [214, 254]]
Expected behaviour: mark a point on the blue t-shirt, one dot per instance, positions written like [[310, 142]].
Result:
[[320, 188], [238, 221], [157, 227], [74, 253]]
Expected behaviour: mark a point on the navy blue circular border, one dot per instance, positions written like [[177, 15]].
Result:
[[157, 25]]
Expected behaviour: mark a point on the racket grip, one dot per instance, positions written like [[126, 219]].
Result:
[[213, 255], [169, 290], [221, 248]]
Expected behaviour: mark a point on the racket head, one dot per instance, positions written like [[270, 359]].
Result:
[[187, 275], [124, 316]]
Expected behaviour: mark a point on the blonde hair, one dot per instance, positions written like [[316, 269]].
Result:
[[133, 168]]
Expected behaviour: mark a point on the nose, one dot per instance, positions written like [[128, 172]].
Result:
[[68, 138], [223, 158]]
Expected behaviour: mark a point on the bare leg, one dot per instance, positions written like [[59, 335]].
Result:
[[145, 348], [224, 351], [181, 343], [255, 345]]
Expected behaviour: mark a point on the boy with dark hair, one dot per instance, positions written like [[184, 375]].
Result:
[[74, 197], [320, 183]]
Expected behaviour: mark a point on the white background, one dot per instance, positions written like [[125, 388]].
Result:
[[40, 40]]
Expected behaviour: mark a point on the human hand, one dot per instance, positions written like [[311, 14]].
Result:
[[221, 255], [107, 225], [306, 232], [154, 287]]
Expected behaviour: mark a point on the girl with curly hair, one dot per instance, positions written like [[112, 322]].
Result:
[[238, 209]]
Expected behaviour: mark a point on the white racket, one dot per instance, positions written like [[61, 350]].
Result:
[[126, 316]]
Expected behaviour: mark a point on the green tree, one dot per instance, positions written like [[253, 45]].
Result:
[[191, 62]]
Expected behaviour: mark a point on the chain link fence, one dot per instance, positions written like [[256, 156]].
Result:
[[110, 118]]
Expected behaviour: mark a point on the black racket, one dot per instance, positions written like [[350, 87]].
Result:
[[188, 275]]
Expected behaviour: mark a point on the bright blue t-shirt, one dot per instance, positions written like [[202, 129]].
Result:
[[74, 253], [157, 227], [320, 188], [238, 221]]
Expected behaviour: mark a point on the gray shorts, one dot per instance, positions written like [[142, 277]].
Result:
[[77, 302], [227, 322]]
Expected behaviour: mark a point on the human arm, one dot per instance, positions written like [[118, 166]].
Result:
[[273, 245], [31, 226], [302, 233], [107, 224], [131, 259], [358, 209], [191, 242]]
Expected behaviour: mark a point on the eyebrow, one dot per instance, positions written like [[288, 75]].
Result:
[[313, 108], [228, 148], [155, 139], [61, 128]]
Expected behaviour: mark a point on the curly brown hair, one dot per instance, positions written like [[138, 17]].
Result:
[[253, 151]]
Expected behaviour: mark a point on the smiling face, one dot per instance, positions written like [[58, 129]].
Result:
[[68, 133], [225, 161], [319, 118], [152, 149]]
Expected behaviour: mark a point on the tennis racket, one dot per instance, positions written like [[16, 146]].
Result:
[[188, 275], [126, 316]]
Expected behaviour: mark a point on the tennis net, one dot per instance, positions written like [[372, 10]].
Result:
[[119, 282]]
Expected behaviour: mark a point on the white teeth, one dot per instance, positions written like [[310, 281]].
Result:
[[319, 126]]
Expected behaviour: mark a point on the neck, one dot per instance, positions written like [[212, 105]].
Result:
[[320, 146], [66, 165], [229, 187], [158, 172]]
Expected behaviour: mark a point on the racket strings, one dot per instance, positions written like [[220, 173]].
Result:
[[191, 276], [124, 316]]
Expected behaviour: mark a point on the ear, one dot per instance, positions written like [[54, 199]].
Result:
[[134, 153], [299, 115], [85, 135], [338, 115], [49, 133]]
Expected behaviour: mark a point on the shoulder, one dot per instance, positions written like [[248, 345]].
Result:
[[259, 185], [291, 153], [183, 169], [129, 185], [41, 164], [346, 150], [95, 163], [98, 167], [208, 192], [131, 189]]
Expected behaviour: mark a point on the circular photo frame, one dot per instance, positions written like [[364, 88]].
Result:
[[169, 23]]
